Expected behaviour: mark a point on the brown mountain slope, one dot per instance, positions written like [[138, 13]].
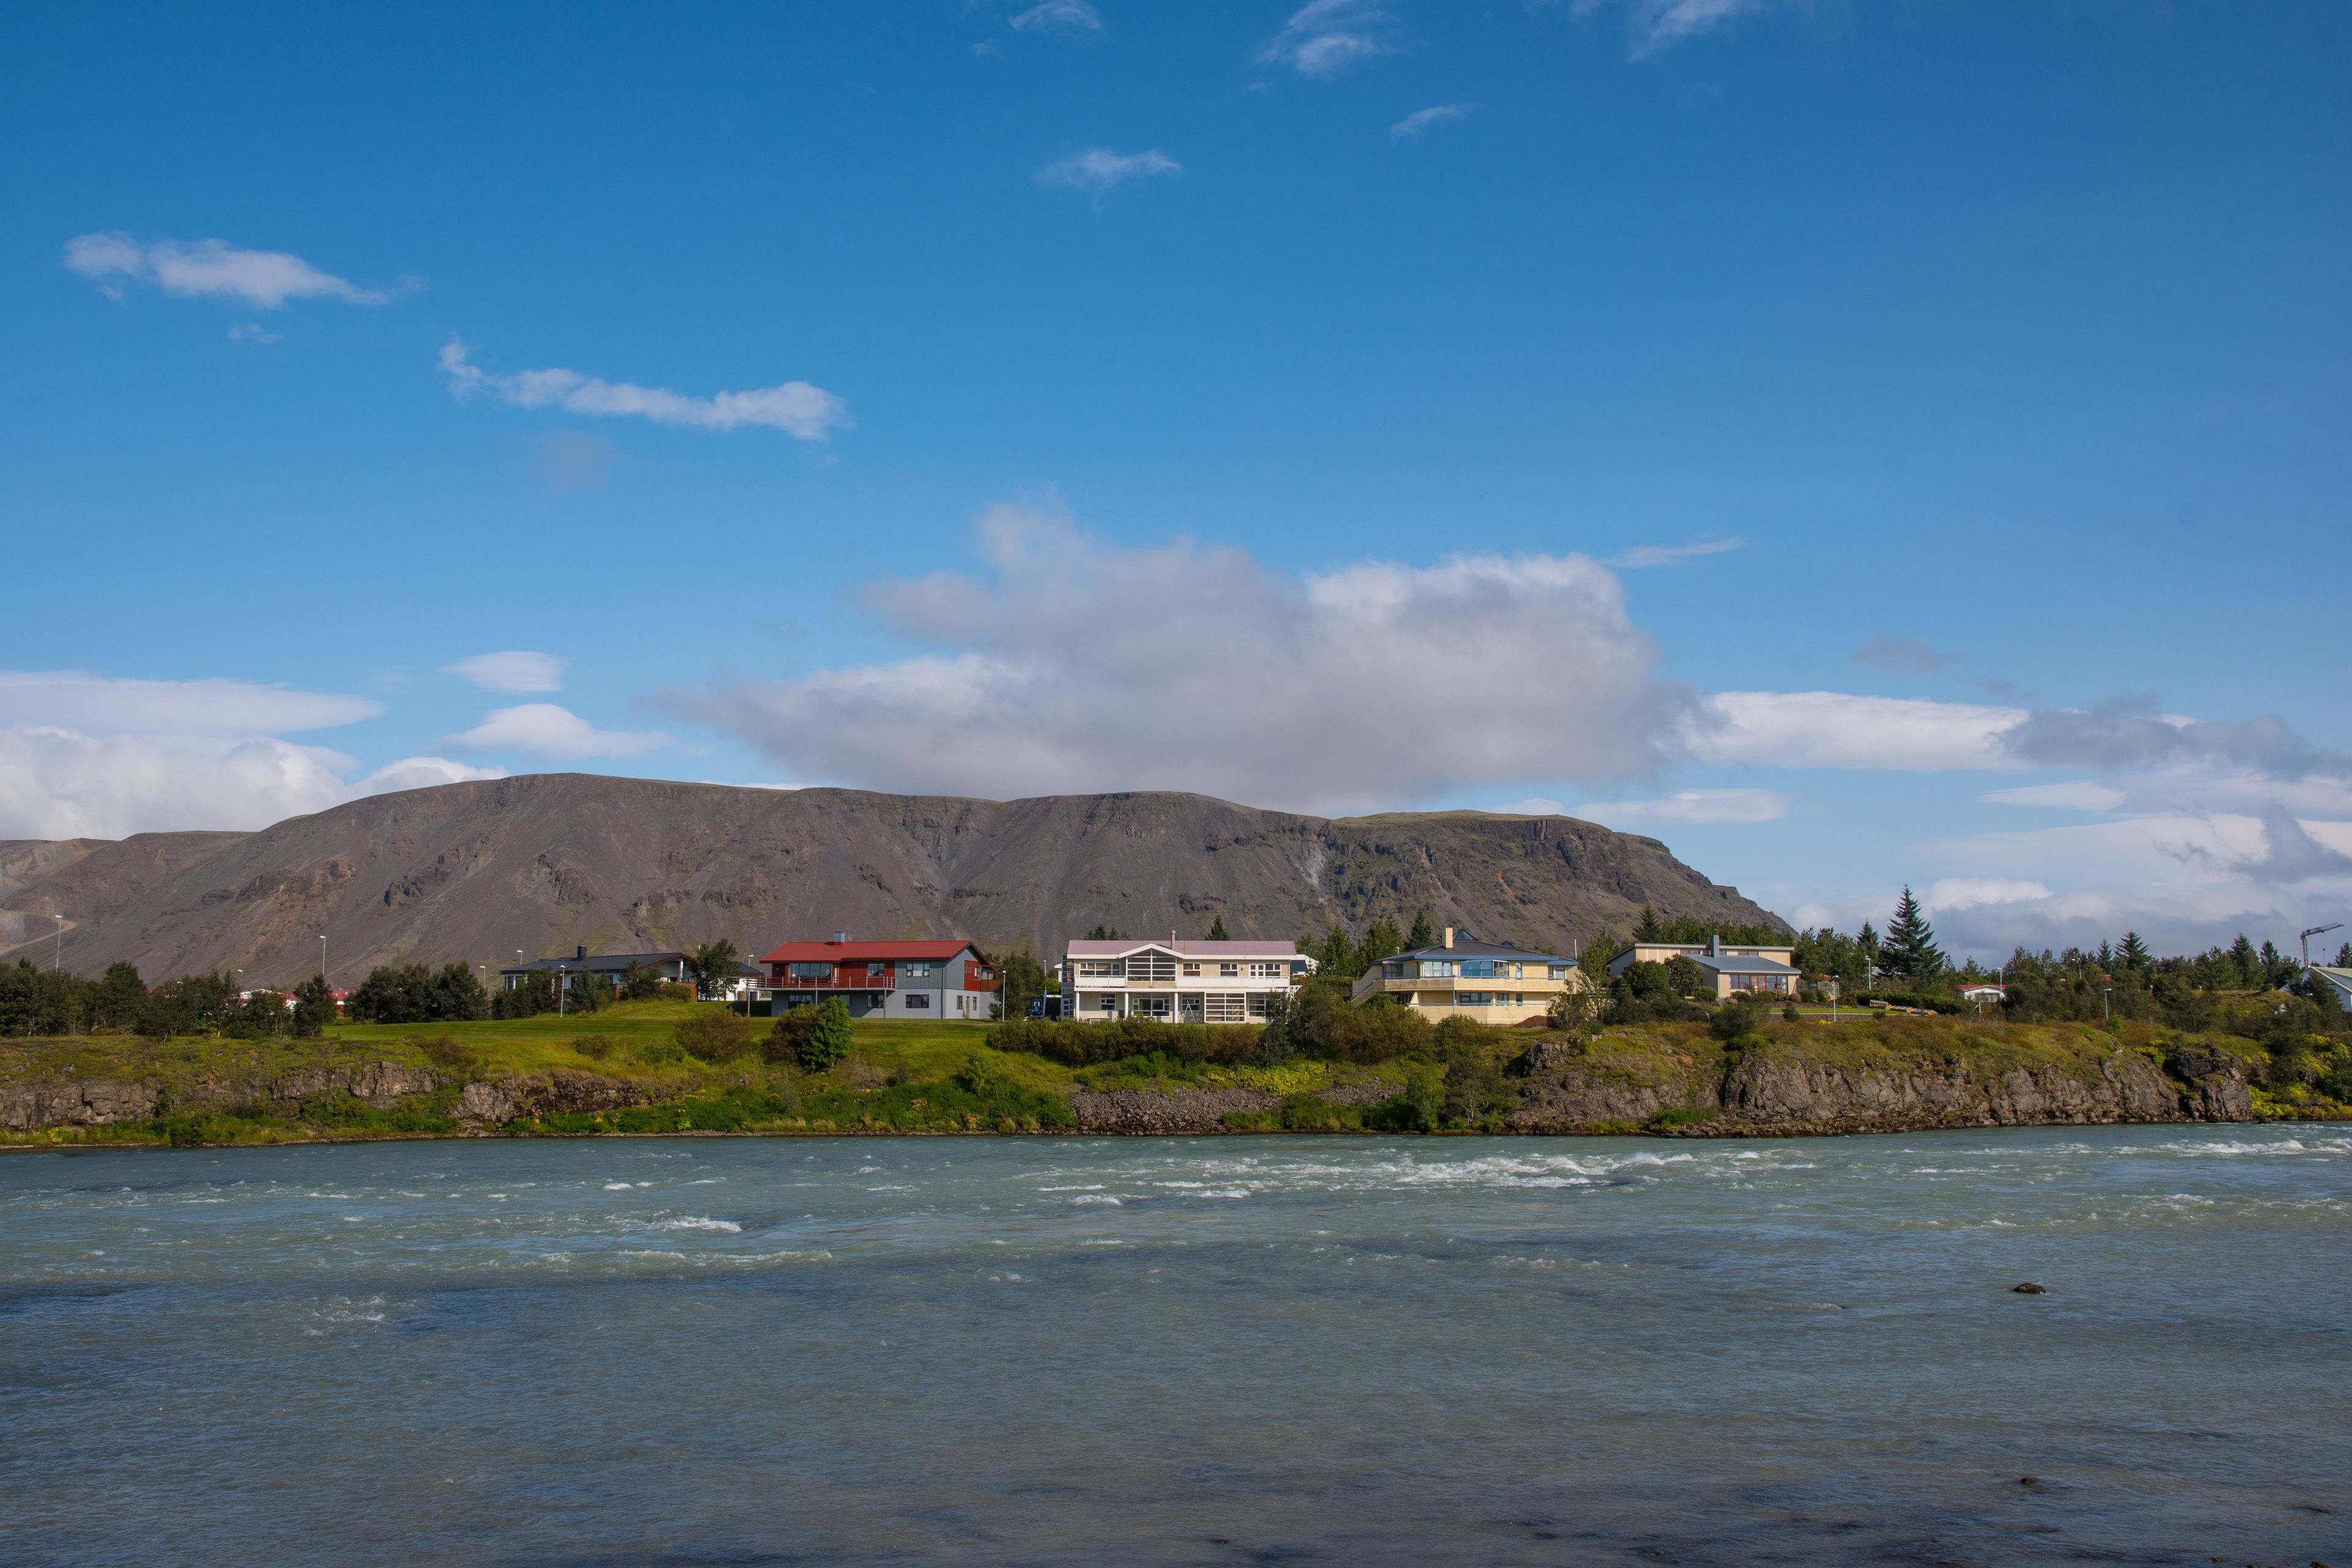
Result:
[[480, 871]]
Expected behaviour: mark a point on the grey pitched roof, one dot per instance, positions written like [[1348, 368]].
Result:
[[1461, 948], [1726, 964]]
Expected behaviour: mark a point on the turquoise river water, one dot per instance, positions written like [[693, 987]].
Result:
[[1238, 1350]]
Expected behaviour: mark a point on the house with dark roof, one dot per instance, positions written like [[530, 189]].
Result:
[[1733, 969], [936, 978], [614, 967], [1493, 982]]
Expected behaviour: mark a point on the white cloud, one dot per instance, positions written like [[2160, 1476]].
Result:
[[56, 782], [513, 671], [1098, 171], [1324, 38], [265, 278], [1689, 808], [1652, 26], [104, 705], [1413, 125], [795, 407], [1952, 894], [1643, 555], [1072, 18], [1078, 667], [556, 734], [2076, 794], [1836, 730]]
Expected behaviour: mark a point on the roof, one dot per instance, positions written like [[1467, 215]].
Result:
[[1725, 964], [938, 950], [595, 961], [1121, 947], [1461, 948]]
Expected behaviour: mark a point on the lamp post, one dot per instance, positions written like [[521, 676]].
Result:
[[2316, 931], [322, 958], [2106, 1009], [57, 960]]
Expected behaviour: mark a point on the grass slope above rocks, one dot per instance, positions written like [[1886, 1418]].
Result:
[[626, 1070]]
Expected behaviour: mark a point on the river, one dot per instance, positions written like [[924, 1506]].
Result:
[[1234, 1349]]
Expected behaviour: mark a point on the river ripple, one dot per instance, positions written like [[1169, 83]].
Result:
[[1046, 1351]]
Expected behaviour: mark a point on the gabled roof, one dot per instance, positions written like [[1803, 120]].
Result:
[[936, 951], [1461, 948], [1121, 947]]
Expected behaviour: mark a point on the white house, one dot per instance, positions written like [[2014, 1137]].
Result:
[[1177, 982], [2338, 981]]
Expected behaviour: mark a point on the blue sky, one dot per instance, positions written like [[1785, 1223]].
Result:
[[1857, 444]]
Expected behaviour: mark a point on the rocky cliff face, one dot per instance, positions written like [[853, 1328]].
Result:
[[474, 871], [1784, 1090], [28, 1107]]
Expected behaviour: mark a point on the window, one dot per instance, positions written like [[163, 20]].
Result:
[[1257, 1003], [1108, 1001], [1436, 969], [1102, 969], [1229, 971], [811, 971], [1149, 1006], [915, 971], [918, 999], [1225, 1008], [1395, 971], [1192, 972], [1556, 971], [1475, 998], [1483, 969], [1160, 967], [1267, 971]]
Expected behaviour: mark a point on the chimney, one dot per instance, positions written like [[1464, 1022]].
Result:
[[1449, 936], [840, 936], [580, 953], [1714, 946]]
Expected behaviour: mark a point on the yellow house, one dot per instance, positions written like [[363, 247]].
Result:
[[1731, 969], [1490, 984]]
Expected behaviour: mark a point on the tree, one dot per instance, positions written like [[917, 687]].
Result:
[[1684, 975], [1597, 954], [714, 967], [1380, 940], [715, 1036], [828, 1039], [1019, 980], [1103, 933], [1646, 928], [1910, 948], [2246, 963], [2344, 956], [314, 1008], [1421, 935], [2134, 954], [1217, 931], [120, 996]]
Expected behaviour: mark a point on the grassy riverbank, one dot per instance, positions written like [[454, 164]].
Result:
[[624, 1071]]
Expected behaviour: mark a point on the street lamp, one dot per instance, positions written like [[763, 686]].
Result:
[[2316, 931]]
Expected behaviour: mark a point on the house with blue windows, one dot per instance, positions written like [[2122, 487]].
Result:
[[1490, 981]]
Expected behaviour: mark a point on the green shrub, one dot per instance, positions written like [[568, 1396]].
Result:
[[447, 1051], [596, 1047], [1086, 1043], [828, 1037], [715, 1036], [786, 1036]]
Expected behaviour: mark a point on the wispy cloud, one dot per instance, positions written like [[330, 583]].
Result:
[[795, 407], [1099, 170], [1071, 18], [1689, 808], [515, 672], [107, 705], [1324, 37], [1641, 555], [556, 734], [1413, 125], [214, 268], [1652, 26], [1912, 655]]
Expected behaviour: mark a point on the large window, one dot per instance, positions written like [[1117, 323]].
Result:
[[1267, 971], [919, 999], [1483, 969], [1556, 971], [1100, 969], [1148, 1006], [915, 971], [1436, 969], [1475, 998], [810, 972], [1226, 1007], [1229, 971], [1160, 967]]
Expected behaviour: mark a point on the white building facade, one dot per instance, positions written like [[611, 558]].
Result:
[[1179, 981]]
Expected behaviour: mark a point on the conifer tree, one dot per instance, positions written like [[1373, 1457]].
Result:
[[2243, 959], [1647, 928], [1909, 948], [2344, 956], [1380, 940], [1217, 929], [2134, 954], [1421, 935]]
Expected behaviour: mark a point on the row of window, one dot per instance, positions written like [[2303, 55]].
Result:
[[1215, 1007], [1471, 969], [813, 973]]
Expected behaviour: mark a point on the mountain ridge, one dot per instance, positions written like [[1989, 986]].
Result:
[[481, 871]]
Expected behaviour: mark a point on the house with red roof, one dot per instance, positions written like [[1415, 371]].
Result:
[[938, 978]]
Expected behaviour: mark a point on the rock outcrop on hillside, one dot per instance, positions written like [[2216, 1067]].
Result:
[[31, 1105], [473, 872]]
